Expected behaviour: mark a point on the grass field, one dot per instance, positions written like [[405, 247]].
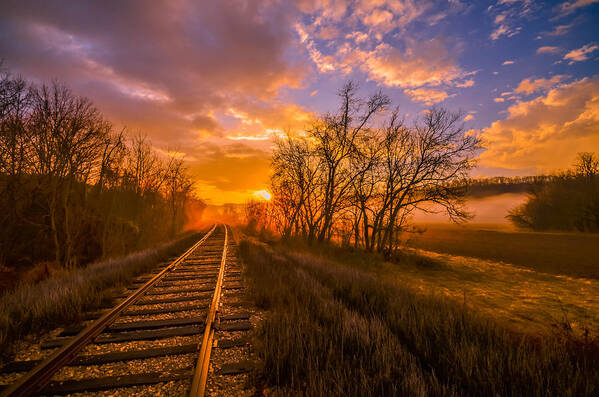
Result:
[[339, 329], [571, 254], [517, 296]]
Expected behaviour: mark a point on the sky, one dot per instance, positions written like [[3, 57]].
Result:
[[217, 80]]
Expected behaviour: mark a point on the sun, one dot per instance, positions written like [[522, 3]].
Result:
[[263, 194]]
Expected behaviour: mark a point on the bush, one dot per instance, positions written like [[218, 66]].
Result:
[[566, 203]]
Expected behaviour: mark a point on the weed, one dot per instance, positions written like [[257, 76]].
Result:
[[62, 299], [334, 330]]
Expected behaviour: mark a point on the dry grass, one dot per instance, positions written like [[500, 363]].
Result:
[[571, 254], [335, 330], [63, 298]]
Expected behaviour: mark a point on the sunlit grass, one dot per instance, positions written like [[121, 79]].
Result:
[[333, 329], [516, 295]]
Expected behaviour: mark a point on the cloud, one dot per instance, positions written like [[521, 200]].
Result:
[[366, 43], [323, 63], [327, 9], [428, 63], [428, 96], [468, 117], [507, 14], [560, 30], [548, 50], [257, 117], [548, 131], [153, 54], [171, 69], [229, 184], [386, 15], [358, 37], [569, 7], [505, 63], [580, 54], [379, 16], [504, 30], [528, 86], [328, 33], [499, 99], [465, 84]]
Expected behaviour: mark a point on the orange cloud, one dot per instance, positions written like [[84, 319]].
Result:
[[231, 169], [258, 118], [324, 63], [548, 131], [548, 50], [529, 86], [428, 96], [581, 54], [217, 172], [466, 84], [426, 64]]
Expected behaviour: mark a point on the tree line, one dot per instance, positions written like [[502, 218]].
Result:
[[72, 187], [567, 201], [357, 174], [492, 186]]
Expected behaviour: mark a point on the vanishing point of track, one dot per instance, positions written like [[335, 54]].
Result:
[[197, 271]]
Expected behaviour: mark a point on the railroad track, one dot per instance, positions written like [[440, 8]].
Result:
[[159, 337]]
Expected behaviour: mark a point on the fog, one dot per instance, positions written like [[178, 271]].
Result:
[[491, 209]]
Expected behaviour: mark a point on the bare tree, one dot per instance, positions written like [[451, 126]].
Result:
[[587, 164], [14, 147], [356, 181], [336, 136], [113, 154], [422, 166], [55, 150], [178, 186], [294, 170], [66, 133], [144, 166]]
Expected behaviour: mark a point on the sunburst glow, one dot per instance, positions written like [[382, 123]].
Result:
[[263, 194]]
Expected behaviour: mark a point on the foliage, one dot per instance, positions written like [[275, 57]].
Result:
[[570, 201]]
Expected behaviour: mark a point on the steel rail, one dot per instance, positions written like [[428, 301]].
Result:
[[34, 381], [200, 373]]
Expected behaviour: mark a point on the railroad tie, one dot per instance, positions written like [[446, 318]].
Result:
[[137, 325], [236, 368], [113, 382], [234, 326], [130, 336], [98, 359]]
